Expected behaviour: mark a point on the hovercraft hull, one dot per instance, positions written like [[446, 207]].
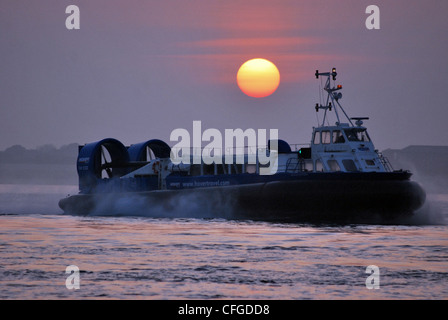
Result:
[[343, 197]]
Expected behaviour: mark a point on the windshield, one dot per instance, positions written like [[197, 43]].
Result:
[[357, 135]]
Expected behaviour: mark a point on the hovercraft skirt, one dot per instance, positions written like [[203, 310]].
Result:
[[300, 200]]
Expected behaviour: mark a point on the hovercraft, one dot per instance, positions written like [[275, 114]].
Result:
[[339, 176]]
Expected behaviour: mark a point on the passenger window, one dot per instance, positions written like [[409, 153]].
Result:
[[195, 169], [370, 162], [334, 165], [349, 165], [319, 166], [221, 168], [326, 138], [308, 165], [209, 169], [251, 168]]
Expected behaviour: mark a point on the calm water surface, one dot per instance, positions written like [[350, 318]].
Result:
[[152, 258]]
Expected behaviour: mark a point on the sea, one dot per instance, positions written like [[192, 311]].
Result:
[[47, 255]]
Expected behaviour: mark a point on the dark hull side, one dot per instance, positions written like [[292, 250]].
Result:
[[318, 200]]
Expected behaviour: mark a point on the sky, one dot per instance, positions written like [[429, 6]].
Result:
[[137, 70]]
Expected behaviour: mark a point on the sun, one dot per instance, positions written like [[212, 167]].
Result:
[[258, 78]]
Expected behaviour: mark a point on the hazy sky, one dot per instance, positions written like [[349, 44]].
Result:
[[136, 70]]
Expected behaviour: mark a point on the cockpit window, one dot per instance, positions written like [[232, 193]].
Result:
[[338, 137], [317, 137], [326, 138], [357, 135]]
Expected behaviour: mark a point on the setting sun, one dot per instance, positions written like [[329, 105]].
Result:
[[258, 78]]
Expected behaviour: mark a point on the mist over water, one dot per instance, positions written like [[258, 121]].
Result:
[[433, 212], [191, 205], [33, 199]]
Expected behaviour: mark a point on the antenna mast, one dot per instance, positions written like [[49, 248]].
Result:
[[333, 95]]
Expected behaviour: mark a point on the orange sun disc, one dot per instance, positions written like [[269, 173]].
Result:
[[258, 78]]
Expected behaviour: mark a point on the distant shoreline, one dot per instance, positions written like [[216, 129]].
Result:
[[48, 165]]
